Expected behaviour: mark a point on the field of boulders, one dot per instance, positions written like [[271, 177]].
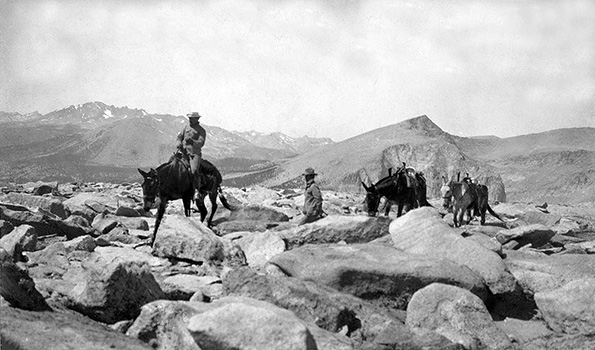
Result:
[[78, 273]]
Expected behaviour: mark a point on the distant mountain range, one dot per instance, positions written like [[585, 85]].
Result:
[[556, 166], [98, 142]]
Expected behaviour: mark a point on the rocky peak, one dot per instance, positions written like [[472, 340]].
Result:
[[14, 117], [91, 114], [424, 125]]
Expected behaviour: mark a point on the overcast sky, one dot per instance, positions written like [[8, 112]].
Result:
[[319, 68]]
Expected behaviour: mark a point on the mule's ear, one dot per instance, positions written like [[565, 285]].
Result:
[[365, 187], [144, 174]]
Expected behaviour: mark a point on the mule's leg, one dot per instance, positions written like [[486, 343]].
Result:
[[387, 207], [469, 215], [461, 216], [200, 204], [400, 209], [457, 216], [160, 213], [213, 198], [483, 216], [187, 201]]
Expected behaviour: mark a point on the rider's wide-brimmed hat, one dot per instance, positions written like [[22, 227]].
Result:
[[309, 171], [193, 115]]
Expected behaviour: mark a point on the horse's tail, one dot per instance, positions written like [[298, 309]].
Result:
[[223, 199], [493, 212]]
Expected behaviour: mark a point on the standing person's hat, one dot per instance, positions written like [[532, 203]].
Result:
[[193, 115], [309, 171]]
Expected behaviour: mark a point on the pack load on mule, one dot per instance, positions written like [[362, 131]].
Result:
[[174, 180], [465, 196], [405, 187]]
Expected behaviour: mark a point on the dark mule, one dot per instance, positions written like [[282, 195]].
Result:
[[465, 196], [173, 180], [400, 188]]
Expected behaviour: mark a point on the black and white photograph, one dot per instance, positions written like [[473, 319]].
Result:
[[297, 174]]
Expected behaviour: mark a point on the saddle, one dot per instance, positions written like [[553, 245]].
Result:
[[410, 178]]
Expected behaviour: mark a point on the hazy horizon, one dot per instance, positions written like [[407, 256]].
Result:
[[332, 69]]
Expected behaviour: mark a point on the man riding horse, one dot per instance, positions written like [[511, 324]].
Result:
[[191, 140]]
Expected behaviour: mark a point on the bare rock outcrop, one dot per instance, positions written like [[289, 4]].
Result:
[[244, 326], [536, 235], [112, 290], [20, 329], [187, 238], [335, 228], [570, 308], [422, 231], [17, 287], [21, 239], [258, 247], [375, 272], [366, 324], [456, 314], [538, 272], [44, 223], [47, 204], [183, 325]]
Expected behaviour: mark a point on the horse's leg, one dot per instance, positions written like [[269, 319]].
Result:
[[200, 204], [213, 198], [400, 208], [186, 201], [387, 207], [455, 213], [160, 213], [462, 216], [483, 215], [469, 215]]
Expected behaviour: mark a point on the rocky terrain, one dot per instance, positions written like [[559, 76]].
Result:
[[77, 273]]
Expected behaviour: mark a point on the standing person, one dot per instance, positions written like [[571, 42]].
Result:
[[312, 209], [191, 140]]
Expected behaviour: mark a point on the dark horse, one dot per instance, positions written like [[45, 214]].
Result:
[[400, 188], [173, 180]]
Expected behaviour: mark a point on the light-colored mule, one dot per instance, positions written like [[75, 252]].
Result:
[[461, 196]]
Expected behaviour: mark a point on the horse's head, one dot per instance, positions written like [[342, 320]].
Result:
[[446, 192], [372, 200], [150, 187]]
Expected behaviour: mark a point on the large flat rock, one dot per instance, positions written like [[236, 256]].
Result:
[[422, 231], [59, 330], [374, 271], [543, 273]]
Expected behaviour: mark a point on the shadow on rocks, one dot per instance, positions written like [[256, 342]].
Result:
[[515, 304]]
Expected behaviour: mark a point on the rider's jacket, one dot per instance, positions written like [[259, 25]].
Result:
[[192, 138]]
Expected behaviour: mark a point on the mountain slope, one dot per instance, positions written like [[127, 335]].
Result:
[[277, 140], [554, 166], [85, 142], [418, 142], [97, 142]]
